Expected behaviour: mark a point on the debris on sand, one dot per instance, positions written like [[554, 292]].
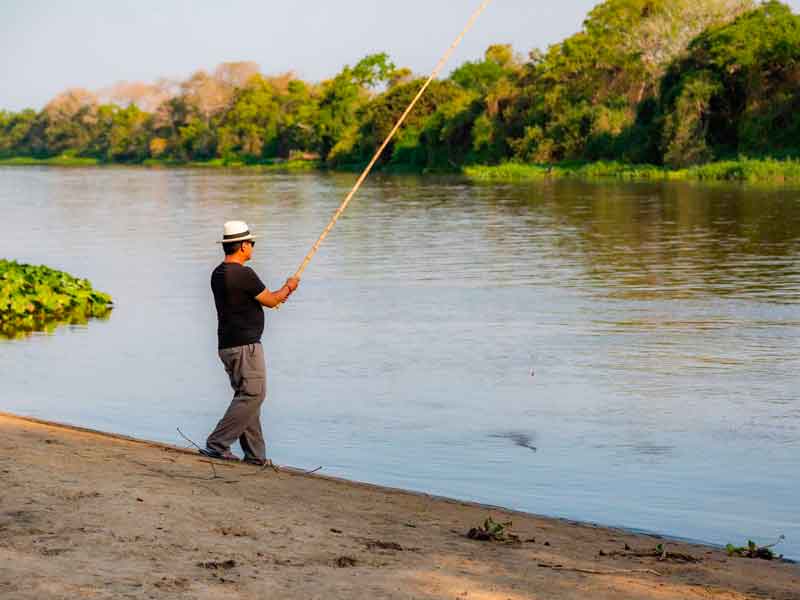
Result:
[[492, 531], [381, 545], [659, 552], [345, 561], [753, 550], [215, 564]]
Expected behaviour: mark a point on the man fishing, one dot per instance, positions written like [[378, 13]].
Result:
[[239, 296]]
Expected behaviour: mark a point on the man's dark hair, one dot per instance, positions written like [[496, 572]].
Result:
[[231, 248]]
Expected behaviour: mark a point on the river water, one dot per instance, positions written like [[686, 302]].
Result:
[[627, 354]]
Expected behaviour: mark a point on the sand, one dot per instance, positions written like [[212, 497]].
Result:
[[86, 515]]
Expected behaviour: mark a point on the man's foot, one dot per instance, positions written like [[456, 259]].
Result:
[[210, 453]]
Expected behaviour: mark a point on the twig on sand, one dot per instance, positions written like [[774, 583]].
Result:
[[598, 572], [191, 441], [157, 472], [276, 468], [268, 464]]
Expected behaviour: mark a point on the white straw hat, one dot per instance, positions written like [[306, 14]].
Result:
[[235, 231]]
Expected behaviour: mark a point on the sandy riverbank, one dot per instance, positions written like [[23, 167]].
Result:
[[83, 515]]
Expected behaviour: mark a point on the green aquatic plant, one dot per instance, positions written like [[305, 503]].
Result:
[[38, 298]]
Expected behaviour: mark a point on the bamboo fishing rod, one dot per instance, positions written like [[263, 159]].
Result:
[[389, 137]]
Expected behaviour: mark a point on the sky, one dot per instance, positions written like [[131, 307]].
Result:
[[48, 46]]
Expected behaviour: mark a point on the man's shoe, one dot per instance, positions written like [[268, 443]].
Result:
[[210, 453]]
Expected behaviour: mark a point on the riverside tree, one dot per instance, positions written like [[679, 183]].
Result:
[[736, 92], [676, 82]]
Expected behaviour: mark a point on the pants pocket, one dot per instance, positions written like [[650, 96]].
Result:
[[254, 386]]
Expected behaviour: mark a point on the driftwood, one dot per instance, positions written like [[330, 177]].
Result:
[[600, 572], [659, 553]]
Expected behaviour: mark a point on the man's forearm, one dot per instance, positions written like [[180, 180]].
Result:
[[273, 299], [283, 293]]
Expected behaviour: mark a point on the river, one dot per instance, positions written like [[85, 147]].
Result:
[[627, 354]]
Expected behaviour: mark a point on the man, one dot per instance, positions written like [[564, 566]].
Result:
[[239, 296]]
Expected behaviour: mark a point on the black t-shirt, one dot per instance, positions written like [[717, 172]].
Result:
[[240, 315]]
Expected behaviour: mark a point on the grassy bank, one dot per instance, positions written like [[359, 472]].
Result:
[[747, 170], [72, 161], [219, 163], [38, 298], [742, 170], [55, 161]]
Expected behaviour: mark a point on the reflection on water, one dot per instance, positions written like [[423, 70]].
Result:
[[660, 321], [663, 241], [521, 439], [12, 329]]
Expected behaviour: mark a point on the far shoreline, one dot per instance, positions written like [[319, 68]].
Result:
[[777, 172]]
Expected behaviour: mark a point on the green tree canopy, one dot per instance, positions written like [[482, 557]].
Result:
[[679, 82], [737, 90]]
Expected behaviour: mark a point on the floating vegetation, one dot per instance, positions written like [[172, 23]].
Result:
[[753, 550], [38, 298]]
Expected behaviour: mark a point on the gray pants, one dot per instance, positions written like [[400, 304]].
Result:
[[242, 420]]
